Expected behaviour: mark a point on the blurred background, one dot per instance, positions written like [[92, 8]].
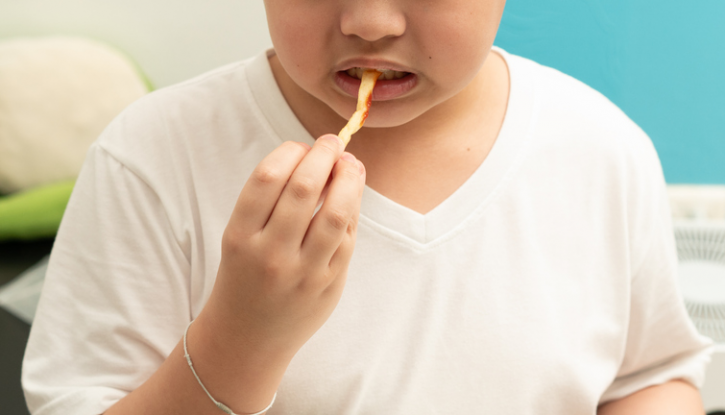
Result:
[[662, 62]]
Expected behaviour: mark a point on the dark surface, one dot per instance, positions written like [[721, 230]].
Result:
[[13, 336], [15, 257]]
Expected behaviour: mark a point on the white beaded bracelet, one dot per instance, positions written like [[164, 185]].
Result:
[[217, 403]]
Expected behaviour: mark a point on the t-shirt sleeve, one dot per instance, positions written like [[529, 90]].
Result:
[[661, 343], [115, 263]]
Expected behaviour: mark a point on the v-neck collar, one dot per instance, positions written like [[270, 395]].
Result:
[[395, 220]]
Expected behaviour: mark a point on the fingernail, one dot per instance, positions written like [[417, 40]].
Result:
[[334, 138], [349, 157], [305, 145], [360, 167]]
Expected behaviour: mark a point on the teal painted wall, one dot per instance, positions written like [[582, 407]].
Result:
[[662, 62]]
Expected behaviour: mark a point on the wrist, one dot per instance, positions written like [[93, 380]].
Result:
[[241, 374], [231, 328]]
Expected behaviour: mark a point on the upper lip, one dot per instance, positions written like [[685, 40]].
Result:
[[370, 63]]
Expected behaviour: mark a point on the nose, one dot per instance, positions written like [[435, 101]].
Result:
[[372, 20]]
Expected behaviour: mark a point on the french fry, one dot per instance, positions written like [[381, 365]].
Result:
[[364, 100]]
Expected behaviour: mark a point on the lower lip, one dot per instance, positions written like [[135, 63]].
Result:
[[385, 89]]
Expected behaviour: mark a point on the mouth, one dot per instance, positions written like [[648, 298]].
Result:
[[391, 84], [387, 74]]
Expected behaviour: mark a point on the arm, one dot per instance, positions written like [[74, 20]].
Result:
[[241, 376], [661, 343], [281, 275], [675, 397]]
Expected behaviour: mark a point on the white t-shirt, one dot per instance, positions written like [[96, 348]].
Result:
[[544, 285]]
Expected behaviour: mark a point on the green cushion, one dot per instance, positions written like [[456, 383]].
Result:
[[34, 213]]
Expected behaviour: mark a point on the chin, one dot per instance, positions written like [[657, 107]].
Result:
[[387, 122], [384, 118], [386, 114]]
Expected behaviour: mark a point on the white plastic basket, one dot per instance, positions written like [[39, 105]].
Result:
[[701, 253]]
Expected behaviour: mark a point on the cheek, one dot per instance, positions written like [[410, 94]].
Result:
[[454, 57], [456, 43], [298, 36]]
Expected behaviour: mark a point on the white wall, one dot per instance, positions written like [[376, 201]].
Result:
[[171, 40]]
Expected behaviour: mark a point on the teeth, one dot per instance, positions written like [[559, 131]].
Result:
[[387, 74]]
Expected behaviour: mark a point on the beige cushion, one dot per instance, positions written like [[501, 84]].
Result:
[[58, 94]]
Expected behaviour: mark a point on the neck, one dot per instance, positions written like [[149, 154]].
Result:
[[458, 132]]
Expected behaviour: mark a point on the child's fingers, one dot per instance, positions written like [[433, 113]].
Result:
[[291, 216], [262, 190], [341, 258], [337, 218]]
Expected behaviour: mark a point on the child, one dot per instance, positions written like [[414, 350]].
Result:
[[506, 248]]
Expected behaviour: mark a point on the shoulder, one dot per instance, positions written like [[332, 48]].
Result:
[[576, 123], [183, 104], [200, 135], [201, 95], [182, 123], [582, 143]]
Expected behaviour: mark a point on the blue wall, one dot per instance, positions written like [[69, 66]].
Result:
[[662, 62]]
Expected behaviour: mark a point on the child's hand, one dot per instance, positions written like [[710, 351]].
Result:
[[282, 271], [281, 275]]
